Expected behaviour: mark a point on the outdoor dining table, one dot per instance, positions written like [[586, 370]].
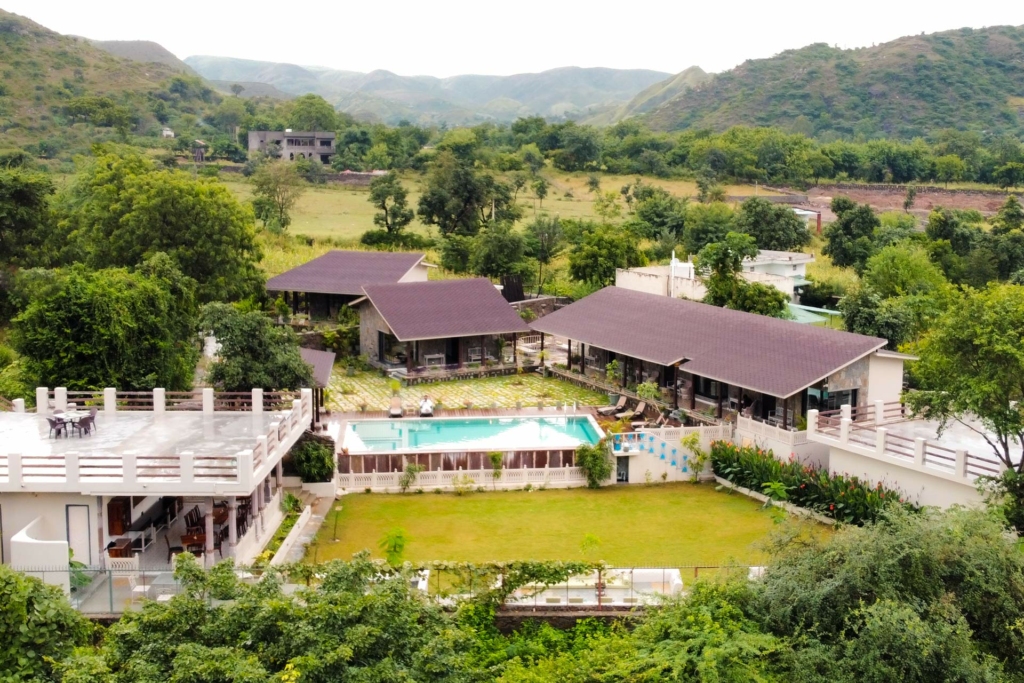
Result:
[[71, 415]]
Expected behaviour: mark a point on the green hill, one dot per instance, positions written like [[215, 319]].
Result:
[[59, 94], [909, 87], [143, 51], [385, 96], [652, 96]]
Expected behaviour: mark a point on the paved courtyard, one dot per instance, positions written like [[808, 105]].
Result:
[[349, 393]]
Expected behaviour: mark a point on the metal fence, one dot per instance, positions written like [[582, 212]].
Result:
[[100, 592]]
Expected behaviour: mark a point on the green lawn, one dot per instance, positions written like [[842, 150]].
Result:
[[349, 393], [660, 525]]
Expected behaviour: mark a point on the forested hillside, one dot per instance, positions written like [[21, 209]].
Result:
[[914, 86], [59, 93], [384, 96]]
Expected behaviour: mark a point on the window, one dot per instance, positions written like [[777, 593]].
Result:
[[325, 143]]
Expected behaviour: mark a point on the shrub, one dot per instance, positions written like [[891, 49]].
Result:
[[595, 463], [313, 459], [844, 498]]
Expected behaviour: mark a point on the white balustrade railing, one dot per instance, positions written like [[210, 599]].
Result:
[[184, 471], [450, 479]]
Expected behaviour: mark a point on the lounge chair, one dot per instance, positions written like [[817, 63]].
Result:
[[396, 407], [660, 422], [611, 410], [633, 414]]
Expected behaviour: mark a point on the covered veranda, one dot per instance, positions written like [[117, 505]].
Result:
[[717, 362]]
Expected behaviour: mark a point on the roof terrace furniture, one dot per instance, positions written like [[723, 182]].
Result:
[[612, 410], [633, 414]]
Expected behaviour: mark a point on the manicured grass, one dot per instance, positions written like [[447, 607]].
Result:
[[348, 393], [660, 525]]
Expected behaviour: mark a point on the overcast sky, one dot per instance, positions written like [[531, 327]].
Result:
[[448, 37]]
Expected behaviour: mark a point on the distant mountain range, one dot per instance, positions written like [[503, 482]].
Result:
[[913, 86], [385, 96]]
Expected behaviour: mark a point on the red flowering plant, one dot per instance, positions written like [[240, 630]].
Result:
[[844, 498]]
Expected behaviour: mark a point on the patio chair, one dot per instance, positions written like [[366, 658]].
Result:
[[57, 426], [92, 414], [633, 414], [83, 426], [396, 407], [172, 550], [611, 410]]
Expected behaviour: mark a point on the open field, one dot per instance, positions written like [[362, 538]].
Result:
[[659, 525], [348, 393]]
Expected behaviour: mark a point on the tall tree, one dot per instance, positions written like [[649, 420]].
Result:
[[25, 218], [111, 328], [1010, 216], [388, 196], [119, 211], [706, 224], [254, 352], [545, 240], [849, 238], [773, 226], [971, 368], [277, 186], [458, 199], [902, 269], [599, 251], [719, 265], [497, 250], [312, 113]]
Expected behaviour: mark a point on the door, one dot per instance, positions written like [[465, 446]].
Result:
[[79, 533], [622, 469], [451, 351]]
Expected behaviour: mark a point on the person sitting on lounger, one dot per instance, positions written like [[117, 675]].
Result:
[[426, 407]]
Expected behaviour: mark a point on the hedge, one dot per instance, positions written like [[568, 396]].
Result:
[[839, 496]]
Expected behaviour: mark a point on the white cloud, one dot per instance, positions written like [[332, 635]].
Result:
[[458, 36]]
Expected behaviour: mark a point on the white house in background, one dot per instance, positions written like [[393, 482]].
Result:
[[167, 133], [784, 270], [883, 443], [121, 494]]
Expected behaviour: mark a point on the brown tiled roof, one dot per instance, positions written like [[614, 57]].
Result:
[[345, 272], [322, 363], [444, 308], [769, 355]]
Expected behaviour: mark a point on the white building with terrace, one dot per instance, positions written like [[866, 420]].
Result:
[[124, 480]]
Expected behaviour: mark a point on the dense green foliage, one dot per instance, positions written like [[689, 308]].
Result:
[[36, 623], [254, 353], [24, 216], [922, 597], [86, 329], [601, 249], [719, 265], [971, 365], [120, 210], [596, 463], [841, 497], [313, 459], [905, 88]]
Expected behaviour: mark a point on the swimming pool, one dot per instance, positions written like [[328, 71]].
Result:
[[470, 434]]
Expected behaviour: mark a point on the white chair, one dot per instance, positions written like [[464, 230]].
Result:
[[138, 590]]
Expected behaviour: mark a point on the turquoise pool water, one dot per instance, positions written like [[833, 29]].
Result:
[[474, 433]]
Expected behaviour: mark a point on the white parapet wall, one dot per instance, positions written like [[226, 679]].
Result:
[[448, 480], [34, 554], [783, 443], [921, 470]]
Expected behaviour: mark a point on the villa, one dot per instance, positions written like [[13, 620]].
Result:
[[155, 474], [321, 287], [416, 327]]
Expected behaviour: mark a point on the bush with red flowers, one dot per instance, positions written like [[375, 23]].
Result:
[[844, 498]]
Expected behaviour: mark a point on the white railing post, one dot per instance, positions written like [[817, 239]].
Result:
[[295, 419], [307, 403], [129, 473], [844, 429], [60, 399], [257, 401], [919, 446], [110, 400], [187, 465], [42, 401], [881, 434], [14, 469], [245, 469], [19, 405], [159, 401], [960, 463], [262, 444], [879, 412], [845, 412], [71, 471], [207, 400]]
